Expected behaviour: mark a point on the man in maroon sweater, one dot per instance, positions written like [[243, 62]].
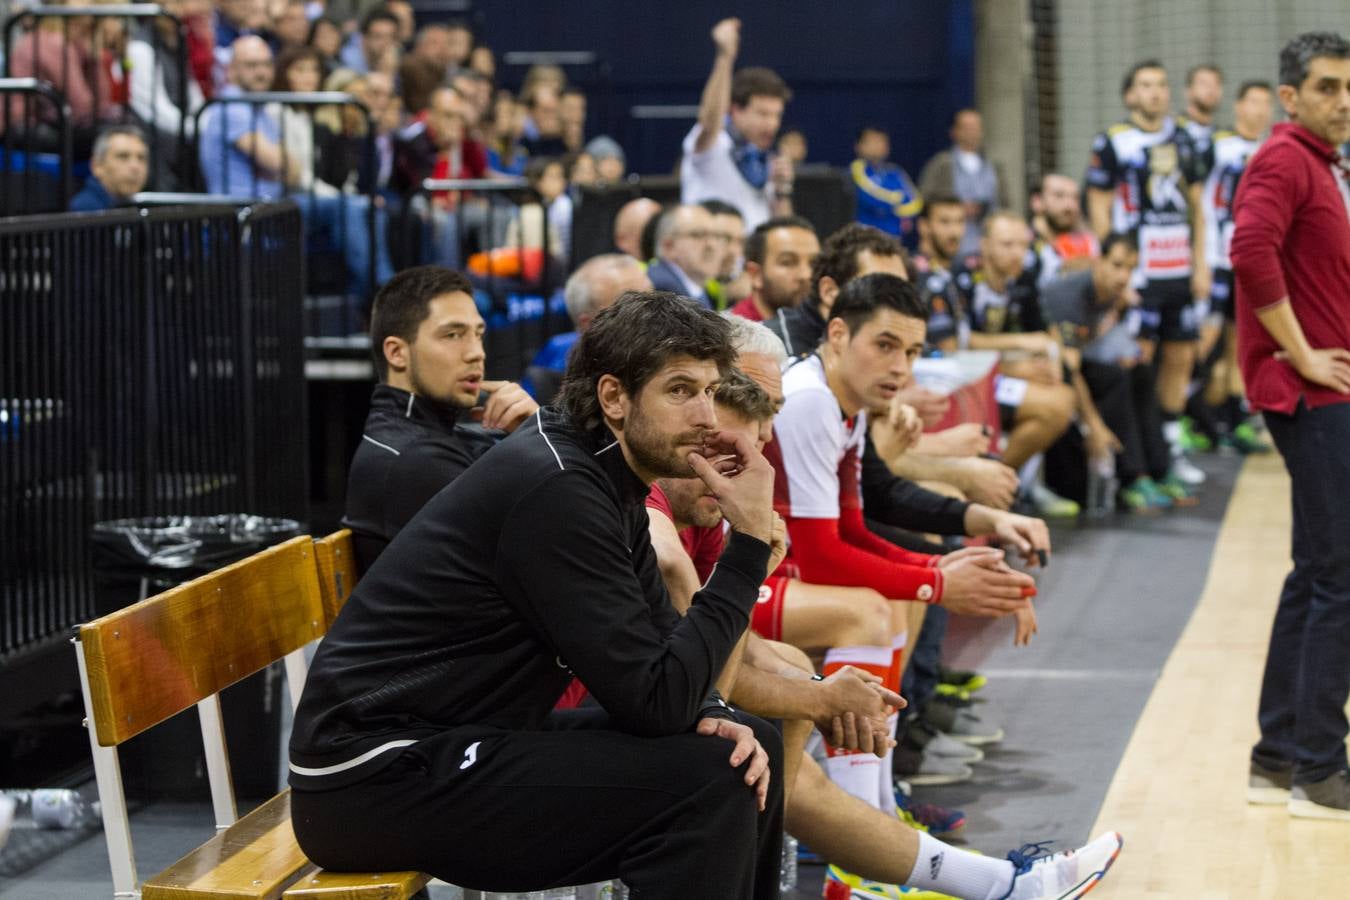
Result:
[[1291, 258]]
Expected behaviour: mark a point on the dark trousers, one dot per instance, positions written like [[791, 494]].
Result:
[[572, 804], [1307, 677], [921, 680], [1128, 403]]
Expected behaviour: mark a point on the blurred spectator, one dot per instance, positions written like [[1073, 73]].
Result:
[[727, 154], [433, 43], [688, 251], [542, 76], [779, 256], [207, 69], [572, 112], [731, 283], [291, 26], [543, 131], [483, 62], [111, 40], [157, 84], [325, 35], [887, 197], [503, 129], [418, 78], [61, 51], [594, 286], [554, 211], [120, 166], [629, 224], [376, 91], [402, 11], [376, 46], [1063, 243], [792, 145], [298, 69], [436, 145], [461, 51], [243, 154], [610, 164], [235, 19], [581, 170], [965, 171], [477, 90]]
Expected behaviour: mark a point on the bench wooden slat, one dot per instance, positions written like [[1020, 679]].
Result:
[[256, 858], [318, 884], [337, 570], [164, 654]]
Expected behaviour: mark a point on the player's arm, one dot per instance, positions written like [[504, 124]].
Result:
[[716, 100], [1200, 274], [1101, 182]]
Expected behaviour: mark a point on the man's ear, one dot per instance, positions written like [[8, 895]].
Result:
[[756, 273], [1288, 98], [614, 402], [396, 353], [826, 290], [837, 335]]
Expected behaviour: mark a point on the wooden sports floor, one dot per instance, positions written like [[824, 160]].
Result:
[[1179, 793]]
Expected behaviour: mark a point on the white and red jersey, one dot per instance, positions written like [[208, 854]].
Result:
[[817, 454]]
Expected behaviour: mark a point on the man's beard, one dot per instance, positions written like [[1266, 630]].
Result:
[[784, 300], [1060, 224], [685, 497], [655, 452]]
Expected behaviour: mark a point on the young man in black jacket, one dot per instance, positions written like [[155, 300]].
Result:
[[425, 738], [426, 338]]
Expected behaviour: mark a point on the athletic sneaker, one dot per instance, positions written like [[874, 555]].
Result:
[[841, 885], [1051, 505], [1061, 876], [1187, 471], [960, 723], [1178, 491], [1193, 440], [961, 679], [1325, 799], [939, 821], [1268, 786], [1245, 440], [925, 737], [920, 768], [1145, 496]]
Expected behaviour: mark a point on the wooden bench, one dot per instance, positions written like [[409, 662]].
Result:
[[150, 661]]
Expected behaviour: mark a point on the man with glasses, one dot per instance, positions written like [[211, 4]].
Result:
[[689, 248]]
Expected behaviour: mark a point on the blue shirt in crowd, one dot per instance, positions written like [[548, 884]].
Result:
[[226, 168]]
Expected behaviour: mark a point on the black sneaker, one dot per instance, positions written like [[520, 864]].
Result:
[[1268, 787], [1325, 799]]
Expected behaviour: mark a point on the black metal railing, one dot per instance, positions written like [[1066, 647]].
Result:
[[151, 363], [151, 102], [34, 175], [343, 217]]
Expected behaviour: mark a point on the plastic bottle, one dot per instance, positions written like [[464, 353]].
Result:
[[787, 872], [51, 808], [1101, 491]]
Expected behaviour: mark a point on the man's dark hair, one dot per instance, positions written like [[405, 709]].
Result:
[[1255, 85], [1116, 239], [403, 304], [1203, 67], [721, 208], [933, 201], [757, 81], [538, 165], [1128, 81], [756, 245], [457, 25], [961, 112], [839, 254], [379, 14], [1297, 56], [870, 126], [632, 340], [862, 297], [741, 395]]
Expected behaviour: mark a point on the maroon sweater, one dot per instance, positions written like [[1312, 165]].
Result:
[[1291, 239]]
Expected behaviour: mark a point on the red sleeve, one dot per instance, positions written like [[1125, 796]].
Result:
[[824, 556], [705, 547], [475, 160], [657, 500], [855, 531], [1267, 196]]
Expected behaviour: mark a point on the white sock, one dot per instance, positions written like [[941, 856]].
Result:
[[886, 774], [1171, 429], [948, 870], [856, 772], [1029, 475]]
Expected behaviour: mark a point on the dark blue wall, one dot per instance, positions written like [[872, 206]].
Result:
[[906, 64]]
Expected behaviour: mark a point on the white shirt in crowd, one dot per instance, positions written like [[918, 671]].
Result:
[[713, 175]]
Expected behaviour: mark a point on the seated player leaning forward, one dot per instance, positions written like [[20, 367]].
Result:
[[871, 851], [426, 337], [426, 737]]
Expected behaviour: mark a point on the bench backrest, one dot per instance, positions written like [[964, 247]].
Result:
[[337, 571]]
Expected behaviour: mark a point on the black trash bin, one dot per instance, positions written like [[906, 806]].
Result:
[[136, 558]]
